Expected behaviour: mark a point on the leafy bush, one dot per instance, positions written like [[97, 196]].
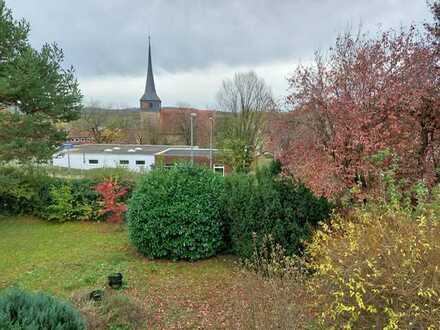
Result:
[[111, 193], [68, 200], [177, 213], [19, 187], [67, 206], [270, 204], [378, 270], [21, 310]]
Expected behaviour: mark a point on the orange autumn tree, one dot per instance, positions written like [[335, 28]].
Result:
[[367, 95]]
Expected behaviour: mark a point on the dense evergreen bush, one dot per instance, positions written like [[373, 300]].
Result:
[[25, 311], [270, 204], [177, 213], [19, 189]]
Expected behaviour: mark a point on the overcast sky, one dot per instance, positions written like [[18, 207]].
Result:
[[198, 43]]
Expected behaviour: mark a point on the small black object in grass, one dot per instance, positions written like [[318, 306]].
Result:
[[115, 281], [96, 295]]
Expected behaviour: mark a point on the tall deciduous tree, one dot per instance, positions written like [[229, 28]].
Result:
[[247, 98], [36, 93], [101, 124], [368, 95]]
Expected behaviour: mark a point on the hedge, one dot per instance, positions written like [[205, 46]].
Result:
[[31, 190], [270, 204]]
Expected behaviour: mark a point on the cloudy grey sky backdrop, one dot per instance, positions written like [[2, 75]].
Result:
[[198, 43]]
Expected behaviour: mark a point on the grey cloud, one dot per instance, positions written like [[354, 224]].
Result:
[[108, 37]]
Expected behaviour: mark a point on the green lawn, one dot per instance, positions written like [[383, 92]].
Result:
[[72, 259]]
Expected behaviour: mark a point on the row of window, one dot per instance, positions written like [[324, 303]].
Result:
[[121, 162], [219, 169]]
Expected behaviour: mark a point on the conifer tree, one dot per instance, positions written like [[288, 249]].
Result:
[[37, 94]]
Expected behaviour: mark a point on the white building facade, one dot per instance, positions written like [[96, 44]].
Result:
[[91, 156]]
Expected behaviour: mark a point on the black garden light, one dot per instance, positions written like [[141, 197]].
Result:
[[115, 281]]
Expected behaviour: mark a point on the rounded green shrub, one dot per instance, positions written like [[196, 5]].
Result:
[[29, 311], [177, 213], [268, 203]]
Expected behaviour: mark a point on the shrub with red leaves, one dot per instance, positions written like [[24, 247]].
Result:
[[111, 192]]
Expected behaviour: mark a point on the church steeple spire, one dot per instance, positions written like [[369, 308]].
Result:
[[150, 101]]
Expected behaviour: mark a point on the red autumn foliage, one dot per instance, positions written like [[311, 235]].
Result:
[[110, 193], [434, 28], [367, 95]]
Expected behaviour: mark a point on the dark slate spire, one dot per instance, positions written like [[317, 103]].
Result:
[[150, 100]]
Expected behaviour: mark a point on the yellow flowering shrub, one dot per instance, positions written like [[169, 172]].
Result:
[[377, 271]]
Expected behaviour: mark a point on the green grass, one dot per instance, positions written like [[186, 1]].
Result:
[[71, 258]]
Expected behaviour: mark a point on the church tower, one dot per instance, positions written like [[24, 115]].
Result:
[[150, 101]]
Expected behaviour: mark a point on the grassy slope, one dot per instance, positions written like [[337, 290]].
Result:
[[77, 257]]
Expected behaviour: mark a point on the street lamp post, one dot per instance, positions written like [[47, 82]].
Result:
[[210, 141], [68, 158], [193, 115]]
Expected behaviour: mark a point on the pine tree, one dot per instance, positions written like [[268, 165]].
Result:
[[37, 94]]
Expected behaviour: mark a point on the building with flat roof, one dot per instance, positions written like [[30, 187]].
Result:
[[136, 157]]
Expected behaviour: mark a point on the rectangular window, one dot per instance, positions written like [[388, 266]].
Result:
[[93, 161], [219, 169], [124, 162], [140, 162]]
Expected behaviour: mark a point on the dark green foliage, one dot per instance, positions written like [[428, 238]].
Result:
[[25, 311], [177, 213], [29, 190], [275, 167], [19, 189], [38, 88], [268, 204]]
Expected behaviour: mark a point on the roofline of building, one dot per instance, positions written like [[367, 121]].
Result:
[[195, 148], [133, 144]]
